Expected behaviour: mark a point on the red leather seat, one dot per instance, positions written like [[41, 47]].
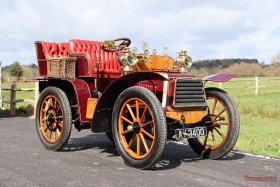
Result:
[[50, 49], [63, 49], [90, 49]]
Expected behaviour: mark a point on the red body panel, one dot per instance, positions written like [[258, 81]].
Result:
[[82, 94]]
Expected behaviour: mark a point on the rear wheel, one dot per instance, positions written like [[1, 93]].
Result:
[[139, 127], [222, 137], [53, 118]]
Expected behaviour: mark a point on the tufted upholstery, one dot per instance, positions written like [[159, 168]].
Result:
[[90, 49], [63, 49], [50, 49]]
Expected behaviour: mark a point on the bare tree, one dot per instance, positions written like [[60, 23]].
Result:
[[276, 60]]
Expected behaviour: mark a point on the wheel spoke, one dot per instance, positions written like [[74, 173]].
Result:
[[224, 123], [148, 134], [131, 141], [131, 112], [51, 102], [58, 132], [127, 120], [46, 105], [125, 132], [222, 111], [55, 103], [214, 106], [54, 137], [146, 124], [137, 109], [220, 133], [45, 128], [213, 137], [60, 125], [44, 119], [144, 142], [144, 113], [50, 135], [138, 144]]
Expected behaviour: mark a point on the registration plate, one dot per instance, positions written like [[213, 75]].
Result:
[[190, 132]]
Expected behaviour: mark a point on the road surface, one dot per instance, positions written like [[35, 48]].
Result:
[[92, 160]]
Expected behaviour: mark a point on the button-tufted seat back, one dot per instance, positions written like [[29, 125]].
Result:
[[90, 49], [50, 49], [54, 50], [63, 49]]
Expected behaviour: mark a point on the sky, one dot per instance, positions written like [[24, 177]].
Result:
[[215, 29]]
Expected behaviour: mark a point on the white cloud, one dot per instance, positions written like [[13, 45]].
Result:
[[214, 29]]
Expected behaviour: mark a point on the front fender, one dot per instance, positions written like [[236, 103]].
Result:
[[102, 118], [219, 77]]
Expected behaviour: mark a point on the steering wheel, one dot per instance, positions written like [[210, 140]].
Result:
[[120, 43]]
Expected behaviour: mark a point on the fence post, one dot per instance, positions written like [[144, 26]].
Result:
[[36, 96], [257, 86], [13, 99]]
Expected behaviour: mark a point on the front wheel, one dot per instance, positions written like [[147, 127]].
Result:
[[222, 136], [53, 118], [139, 127]]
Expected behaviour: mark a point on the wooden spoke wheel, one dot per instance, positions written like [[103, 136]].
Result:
[[139, 127], [223, 133], [53, 118]]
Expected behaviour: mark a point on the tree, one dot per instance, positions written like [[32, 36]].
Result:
[[275, 61], [16, 70]]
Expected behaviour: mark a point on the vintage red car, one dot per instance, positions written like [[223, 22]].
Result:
[[140, 100]]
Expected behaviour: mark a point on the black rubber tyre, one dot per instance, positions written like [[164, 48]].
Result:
[[53, 118], [220, 141], [139, 127]]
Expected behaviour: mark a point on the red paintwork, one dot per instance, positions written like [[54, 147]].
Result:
[[220, 77], [82, 94]]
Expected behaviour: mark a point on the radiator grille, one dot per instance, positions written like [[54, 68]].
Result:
[[189, 92]]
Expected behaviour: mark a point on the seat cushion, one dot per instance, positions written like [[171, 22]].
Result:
[[108, 62]]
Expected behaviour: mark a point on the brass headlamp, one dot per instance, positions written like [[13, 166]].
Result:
[[184, 61], [127, 59], [141, 57]]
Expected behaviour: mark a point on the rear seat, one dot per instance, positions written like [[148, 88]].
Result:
[[63, 49], [89, 50], [50, 49], [54, 50]]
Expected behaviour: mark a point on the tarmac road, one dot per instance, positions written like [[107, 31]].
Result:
[[92, 160]]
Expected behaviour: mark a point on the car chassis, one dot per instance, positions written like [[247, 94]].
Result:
[[140, 100]]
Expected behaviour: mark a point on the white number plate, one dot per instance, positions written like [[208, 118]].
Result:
[[190, 132]]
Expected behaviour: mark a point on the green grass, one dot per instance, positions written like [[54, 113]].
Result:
[[6, 95], [259, 114]]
